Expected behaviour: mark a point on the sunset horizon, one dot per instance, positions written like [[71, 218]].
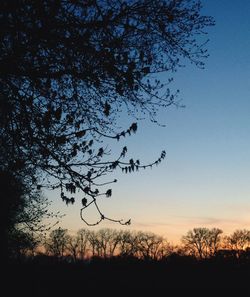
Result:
[[125, 148]]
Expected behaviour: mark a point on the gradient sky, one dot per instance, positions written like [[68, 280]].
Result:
[[205, 179]]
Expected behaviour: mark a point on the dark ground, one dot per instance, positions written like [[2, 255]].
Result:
[[130, 278]]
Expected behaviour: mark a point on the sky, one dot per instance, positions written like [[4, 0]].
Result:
[[205, 179]]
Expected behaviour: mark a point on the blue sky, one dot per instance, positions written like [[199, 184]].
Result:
[[205, 179]]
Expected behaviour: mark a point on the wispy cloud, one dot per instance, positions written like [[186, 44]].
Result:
[[176, 226]]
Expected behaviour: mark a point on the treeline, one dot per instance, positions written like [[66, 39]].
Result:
[[198, 243]]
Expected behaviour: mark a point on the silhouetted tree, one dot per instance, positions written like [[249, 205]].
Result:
[[94, 244], [149, 245], [127, 244], [110, 239], [198, 243], [83, 238], [202, 242], [56, 244], [164, 250], [21, 244], [73, 246], [69, 67], [24, 214], [106, 242], [238, 241], [214, 241]]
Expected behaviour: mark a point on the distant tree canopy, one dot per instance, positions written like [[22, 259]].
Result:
[[106, 243], [198, 243], [68, 68]]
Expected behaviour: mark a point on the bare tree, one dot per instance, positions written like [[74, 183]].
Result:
[[202, 242], [94, 244], [127, 244], [149, 245], [83, 238], [165, 249], [73, 246], [56, 244], [214, 241], [106, 242], [113, 243], [238, 241]]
